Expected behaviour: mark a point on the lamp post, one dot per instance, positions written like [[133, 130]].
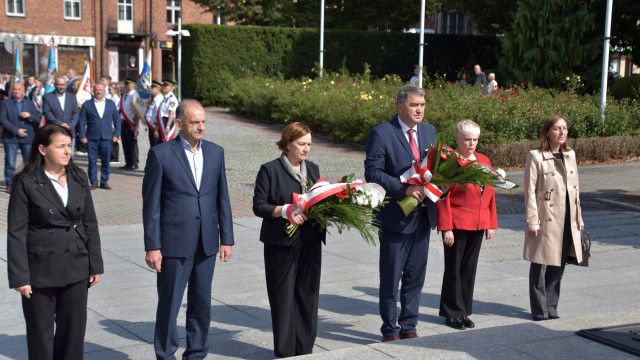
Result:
[[605, 59], [180, 33], [321, 37], [421, 51]]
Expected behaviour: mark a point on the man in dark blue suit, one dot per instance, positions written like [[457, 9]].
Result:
[[102, 121], [404, 240], [20, 120], [187, 221], [61, 108]]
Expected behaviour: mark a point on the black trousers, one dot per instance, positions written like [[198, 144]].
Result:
[[66, 307], [153, 141], [129, 145], [458, 280], [544, 282], [293, 286]]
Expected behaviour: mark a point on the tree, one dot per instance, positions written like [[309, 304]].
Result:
[[550, 40], [492, 17], [625, 29], [394, 15]]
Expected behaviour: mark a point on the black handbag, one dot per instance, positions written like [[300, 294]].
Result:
[[585, 244]]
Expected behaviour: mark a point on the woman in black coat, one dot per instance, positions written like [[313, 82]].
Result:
[[53, 246], [292, 264]]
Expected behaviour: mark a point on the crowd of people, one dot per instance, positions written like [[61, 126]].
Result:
[[54, 245]]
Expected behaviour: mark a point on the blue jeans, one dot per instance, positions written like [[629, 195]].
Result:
[[103, 149], [10, 155]]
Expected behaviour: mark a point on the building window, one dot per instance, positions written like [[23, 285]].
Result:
[[125, 10], [15, 8], [127, 63], [173, 11], [72, 9]]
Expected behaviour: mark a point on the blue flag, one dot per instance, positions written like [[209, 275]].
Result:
[[142, 93], [51, 71], [17, 76]]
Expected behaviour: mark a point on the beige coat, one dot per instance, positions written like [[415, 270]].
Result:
[[546, 181]]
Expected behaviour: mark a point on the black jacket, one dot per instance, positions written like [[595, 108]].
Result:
[[274, 186], [43, 248]]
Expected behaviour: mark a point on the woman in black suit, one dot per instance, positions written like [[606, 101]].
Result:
[[53, 246], [292, 264]]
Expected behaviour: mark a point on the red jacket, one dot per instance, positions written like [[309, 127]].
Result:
[[468, 208]]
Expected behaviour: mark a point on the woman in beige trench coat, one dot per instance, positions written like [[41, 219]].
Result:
[[553, 216]]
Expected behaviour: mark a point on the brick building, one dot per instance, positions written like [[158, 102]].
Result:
[[114, 33]]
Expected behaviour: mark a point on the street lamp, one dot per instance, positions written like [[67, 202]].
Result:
[[180, 33]]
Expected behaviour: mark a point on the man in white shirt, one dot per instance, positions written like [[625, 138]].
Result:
[[151, 116], [102, 122], [129, 131], [167, 111]]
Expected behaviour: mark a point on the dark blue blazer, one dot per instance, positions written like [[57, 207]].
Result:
[[175, 213], [53, 112], [98, 128], [389, 156], [11, 121]]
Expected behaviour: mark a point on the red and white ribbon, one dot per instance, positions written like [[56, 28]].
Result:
[[419, 174], [318, 192]]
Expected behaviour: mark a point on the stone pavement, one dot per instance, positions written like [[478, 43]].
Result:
[[122, 306]]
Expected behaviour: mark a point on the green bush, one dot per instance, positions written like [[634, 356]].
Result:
[[214, 56], [348, 107], [626, 88]]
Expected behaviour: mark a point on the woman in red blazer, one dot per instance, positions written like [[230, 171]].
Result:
[[464, 217]]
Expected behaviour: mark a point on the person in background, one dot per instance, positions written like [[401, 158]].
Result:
[[30, 87], [20, 120], [493, 84], [71, 82], [463, 80], [151, 116], [292, 263], [51, 266], [5, 84], [479, 78], [553, 216], [416, 76], [129, 128], [99, 128], [465, 216], [114, 91], [106, 81], [39, 93], [61, 108], [167, 110]]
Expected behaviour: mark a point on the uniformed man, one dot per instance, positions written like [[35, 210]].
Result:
[[167, 111], [151, 116], [129, 128]]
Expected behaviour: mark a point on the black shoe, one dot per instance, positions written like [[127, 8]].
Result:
[[125, 167], [134, 167], [553, 317], [539, 318], [468, 323], [455, 323]]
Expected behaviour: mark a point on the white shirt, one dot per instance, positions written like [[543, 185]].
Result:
[[61, 99], [405, 128], [169, 103], [125, 105], [100, 106], [195, 159], [62, 190], [152, 110]]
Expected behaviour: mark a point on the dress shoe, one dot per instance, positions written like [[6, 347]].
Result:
[[455, 323], [411, 335], [94, 186], [468, 323], [105, 186], [553, 317], [390, 338], [539, 318], [125, 167]]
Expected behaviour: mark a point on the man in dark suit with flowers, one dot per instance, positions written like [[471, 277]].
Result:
[[404, 240]]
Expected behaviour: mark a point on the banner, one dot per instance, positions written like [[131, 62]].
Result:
[[17, 74], [142, 93], [49, 84], [85, 89]]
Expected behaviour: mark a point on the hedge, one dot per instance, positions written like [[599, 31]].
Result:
[[214, 56]]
